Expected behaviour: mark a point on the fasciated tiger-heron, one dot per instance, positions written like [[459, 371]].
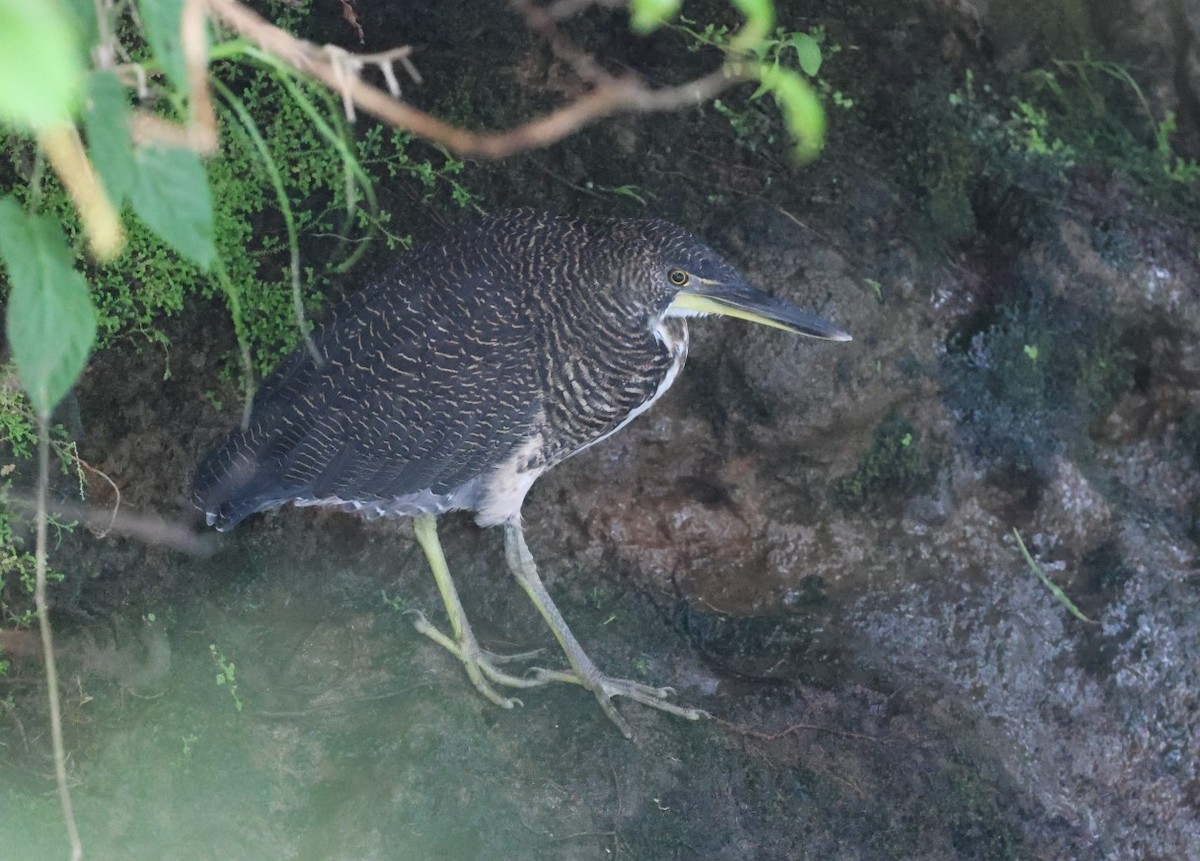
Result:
[[471, 367]]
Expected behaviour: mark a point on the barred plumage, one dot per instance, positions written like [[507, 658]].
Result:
[[434, 375]]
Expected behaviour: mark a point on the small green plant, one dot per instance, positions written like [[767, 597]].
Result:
[[1030, 128], [748, 128], [811, 50], [394, 151], [226, 674], [895, 465], [1176, 168], [397, 603], [1092, 116], [599, 596], [633, 192], [842, 100], [1031, 351], [18, 435], [784, 62]]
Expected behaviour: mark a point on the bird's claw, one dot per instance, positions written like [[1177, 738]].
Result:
[[481, 665], [606, 688]]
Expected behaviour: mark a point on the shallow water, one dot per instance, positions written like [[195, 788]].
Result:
[[358, 738]]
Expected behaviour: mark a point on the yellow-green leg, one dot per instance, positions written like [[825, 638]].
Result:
[[480, 664], [585, 673]]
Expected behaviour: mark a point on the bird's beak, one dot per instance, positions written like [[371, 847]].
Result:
[[743, 301]]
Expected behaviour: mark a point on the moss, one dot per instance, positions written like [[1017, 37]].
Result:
[[950, 208], [1028, 377], [897, 465], [979, 152], [1114, 242]]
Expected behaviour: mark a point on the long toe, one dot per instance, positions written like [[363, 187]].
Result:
[[647, 695], [481, 665], [606, 688]]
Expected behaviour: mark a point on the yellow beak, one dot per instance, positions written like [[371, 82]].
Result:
[[744, 302]]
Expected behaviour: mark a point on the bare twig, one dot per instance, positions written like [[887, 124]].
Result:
[[105, 51], [202, 119], [385, 60], [611, 95], [340, 70], [116, 506], [350, 16]]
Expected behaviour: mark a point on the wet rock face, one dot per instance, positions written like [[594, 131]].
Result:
[[884, 503]]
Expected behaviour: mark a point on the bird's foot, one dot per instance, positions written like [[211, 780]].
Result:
[[606, 687], [583, 672], [482, 665]]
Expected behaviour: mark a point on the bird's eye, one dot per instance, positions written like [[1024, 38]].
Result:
[[678, 277]]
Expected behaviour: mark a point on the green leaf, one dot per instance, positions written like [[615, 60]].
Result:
[[646, 16], [51, 322], [801, 107], [808, 52], [84, 14], [105, 119], [171, 195], [1055, 590], [161, 19], [41, 67], [760, 18]]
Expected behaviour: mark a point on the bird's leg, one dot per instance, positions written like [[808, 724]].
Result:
[[480, 664], [585, 673]]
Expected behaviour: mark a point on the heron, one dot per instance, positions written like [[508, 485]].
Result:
[[473, 365]]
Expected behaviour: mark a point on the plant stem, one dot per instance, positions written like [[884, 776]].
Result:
[[39, 598]]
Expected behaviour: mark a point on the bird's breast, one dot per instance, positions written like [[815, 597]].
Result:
[[594, 392]]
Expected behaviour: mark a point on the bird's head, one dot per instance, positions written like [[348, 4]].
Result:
[[671, 273]]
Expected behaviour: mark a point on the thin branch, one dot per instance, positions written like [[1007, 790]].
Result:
[[613, 96], [202, 119], [116, 506], [104, 54], [350, 16], [43, 611]]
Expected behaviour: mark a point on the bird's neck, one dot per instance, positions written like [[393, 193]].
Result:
[[672, 332]]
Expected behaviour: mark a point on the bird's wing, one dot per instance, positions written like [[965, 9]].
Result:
[[426, 383]]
